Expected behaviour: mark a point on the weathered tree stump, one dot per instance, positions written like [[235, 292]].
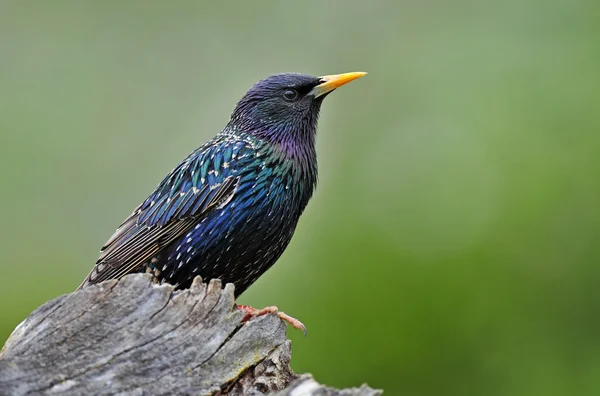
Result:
[[132, 337]]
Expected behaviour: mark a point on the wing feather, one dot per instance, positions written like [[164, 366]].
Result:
[[166, 215]]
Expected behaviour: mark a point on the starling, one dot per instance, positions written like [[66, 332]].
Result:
[[230, 208]]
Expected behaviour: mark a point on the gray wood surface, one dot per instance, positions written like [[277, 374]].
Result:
[[132, 337]]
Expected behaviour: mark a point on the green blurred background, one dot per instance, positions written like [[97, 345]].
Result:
[[452, 245]]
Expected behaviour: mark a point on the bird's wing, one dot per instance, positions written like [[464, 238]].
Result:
[[203, 182]]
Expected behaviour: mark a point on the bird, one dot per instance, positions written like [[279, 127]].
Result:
[[230, 208]]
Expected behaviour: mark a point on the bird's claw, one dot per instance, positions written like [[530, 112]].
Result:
[[251, 312]]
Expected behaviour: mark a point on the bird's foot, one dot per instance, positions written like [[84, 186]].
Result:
[[251, 312]]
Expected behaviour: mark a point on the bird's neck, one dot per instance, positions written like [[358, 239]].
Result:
[[292, 152], [295, 147], [302, 159]]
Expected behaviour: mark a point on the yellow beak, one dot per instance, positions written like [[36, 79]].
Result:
[[329, 83]]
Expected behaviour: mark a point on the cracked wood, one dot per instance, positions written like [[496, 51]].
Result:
[[133, 337]]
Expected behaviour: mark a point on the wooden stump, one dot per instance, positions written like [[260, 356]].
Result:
[[132, 337]]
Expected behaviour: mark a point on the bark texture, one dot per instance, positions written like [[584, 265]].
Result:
[[132, 337]]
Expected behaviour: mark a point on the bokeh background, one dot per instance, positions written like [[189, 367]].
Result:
[[452, 245]]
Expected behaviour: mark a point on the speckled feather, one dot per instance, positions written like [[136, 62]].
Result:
[[230, 208]]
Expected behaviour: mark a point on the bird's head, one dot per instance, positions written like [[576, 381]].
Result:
[[284, 108]]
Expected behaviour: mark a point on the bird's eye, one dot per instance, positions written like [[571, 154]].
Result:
[[290, 94]]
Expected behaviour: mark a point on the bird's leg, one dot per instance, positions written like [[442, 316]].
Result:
[[251, 312]]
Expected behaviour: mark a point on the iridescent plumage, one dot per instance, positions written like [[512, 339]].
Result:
[[230, 208]]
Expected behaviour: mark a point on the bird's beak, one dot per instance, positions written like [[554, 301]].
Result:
[[329, 83]]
